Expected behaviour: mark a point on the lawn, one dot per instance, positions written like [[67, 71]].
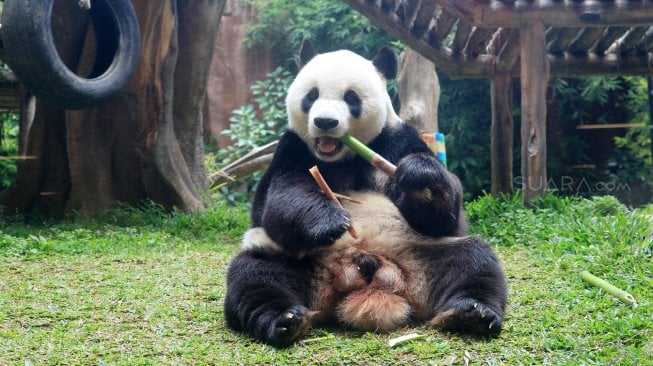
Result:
[[144, 287]]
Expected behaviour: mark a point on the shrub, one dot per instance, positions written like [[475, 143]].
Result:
[[253, 125], [8, 147]]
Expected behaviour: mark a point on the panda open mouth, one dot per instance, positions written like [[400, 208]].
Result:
[[327, 145]]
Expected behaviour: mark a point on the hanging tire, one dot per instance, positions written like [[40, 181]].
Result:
[[30, 51]]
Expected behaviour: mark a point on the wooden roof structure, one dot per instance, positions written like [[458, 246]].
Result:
[[529, 39], [477, 38]]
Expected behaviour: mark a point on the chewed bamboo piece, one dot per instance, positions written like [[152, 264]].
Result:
[[369, 154], [405, 338], [608, 287], [315, 172]]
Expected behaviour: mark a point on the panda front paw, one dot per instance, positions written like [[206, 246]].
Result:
[[422, 178], [289, 326], [328, 227], [471, 317]]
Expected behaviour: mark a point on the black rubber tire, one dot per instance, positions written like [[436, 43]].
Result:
[[30, 52]]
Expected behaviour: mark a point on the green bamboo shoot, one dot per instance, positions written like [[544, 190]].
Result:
[[368, 154], [608, 287]]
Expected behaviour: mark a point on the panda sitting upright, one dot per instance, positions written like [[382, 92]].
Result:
[[411, 262]]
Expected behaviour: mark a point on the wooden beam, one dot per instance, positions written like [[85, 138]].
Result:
[[443, 25], [646, 44], [609, 37], [560, 43], [461, 37], [406, 10], [477, 41], [591, 64], [556, 13], [441, 56], [628, 42], [423, 18], [501, 91], [534, 81], [585, 40], [509, 53]]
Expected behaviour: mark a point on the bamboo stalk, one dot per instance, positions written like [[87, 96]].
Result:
[[368, 154], [315, 172], [376, 159], [405, 338], [608, 287]]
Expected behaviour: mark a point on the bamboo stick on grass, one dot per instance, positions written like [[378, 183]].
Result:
[[608, 287]]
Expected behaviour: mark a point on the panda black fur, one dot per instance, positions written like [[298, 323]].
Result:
[[415, 260]]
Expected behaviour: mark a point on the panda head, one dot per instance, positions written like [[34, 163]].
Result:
[[337, 93]]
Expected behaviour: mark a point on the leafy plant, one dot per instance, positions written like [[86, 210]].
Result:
[[599, 100], [329, 24], [8, 147], [467, 131], [608, 205], [253, 125]]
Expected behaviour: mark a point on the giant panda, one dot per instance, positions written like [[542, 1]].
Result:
[[412, 262]]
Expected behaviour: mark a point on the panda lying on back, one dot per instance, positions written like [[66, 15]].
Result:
[[411, 263]]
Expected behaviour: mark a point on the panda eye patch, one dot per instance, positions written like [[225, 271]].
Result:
[[354, 102], [309, 99]]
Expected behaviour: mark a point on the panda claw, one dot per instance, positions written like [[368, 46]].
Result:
[[290, 326], [472, 317]]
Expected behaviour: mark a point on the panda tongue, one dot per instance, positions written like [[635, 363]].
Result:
[[326, 145]]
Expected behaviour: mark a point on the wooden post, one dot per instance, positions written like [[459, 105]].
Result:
[[502, 133], [649, 82], [534, 80]]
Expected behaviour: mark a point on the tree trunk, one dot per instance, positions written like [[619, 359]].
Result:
[[146, 144], [419, 92]]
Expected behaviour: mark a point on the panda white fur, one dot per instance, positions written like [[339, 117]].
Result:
[[298, 267]]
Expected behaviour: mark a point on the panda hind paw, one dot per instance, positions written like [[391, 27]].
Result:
[[471, 317], [290, 325]]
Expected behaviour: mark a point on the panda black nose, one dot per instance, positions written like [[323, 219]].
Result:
[[367, 265], [325, 123]]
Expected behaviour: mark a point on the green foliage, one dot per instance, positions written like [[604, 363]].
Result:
[[123, 230], [328, 24], [253, 125], [467, 131], [593, 228], [141, 287], [602, 100], [8, 147], [634, 156], [608, 205]]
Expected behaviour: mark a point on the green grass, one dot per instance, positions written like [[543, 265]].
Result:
[[147, 288]]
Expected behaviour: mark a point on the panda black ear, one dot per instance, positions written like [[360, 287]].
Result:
[[386, 62], [306, 52]]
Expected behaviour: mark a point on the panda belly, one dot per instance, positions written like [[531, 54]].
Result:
[[374, 282]]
